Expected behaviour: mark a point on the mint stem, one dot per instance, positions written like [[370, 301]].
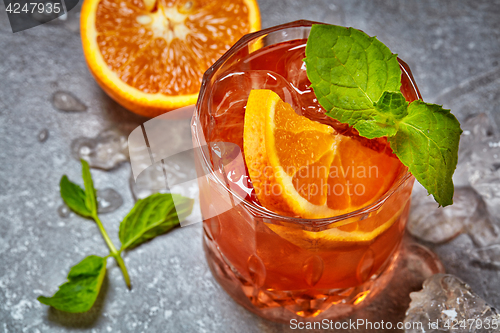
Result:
[[114, 252], [121, 263]]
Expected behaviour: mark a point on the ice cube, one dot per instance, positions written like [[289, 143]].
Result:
[[108, 200], [233, 89], [476, 128], [461, 175], [468, 214], [436, 224], [294, 68], [66, 101], [488, 255], [482, 228], [292, 64], [444, 304], [484, 173], [106, 151], [230, 93]]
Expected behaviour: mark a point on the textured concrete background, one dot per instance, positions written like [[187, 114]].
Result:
[[447, 43]]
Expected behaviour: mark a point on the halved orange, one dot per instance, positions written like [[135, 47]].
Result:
[[150, 55], [300, 167]]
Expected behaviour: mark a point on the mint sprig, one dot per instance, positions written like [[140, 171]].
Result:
[[149, 218], [357, 80]]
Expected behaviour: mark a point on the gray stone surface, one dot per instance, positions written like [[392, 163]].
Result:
[[452, 47]]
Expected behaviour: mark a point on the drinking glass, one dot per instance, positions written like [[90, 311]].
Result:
[[282, 267]]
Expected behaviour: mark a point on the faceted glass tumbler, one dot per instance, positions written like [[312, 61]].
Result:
[[282, 267]]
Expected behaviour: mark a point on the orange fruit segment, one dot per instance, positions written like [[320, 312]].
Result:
[[299, 167], [353, 233], [302, 168], [359, 175], [150, 55], [277, 146]]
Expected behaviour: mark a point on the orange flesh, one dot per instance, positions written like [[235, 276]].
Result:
[[168, 49], [299, 152]]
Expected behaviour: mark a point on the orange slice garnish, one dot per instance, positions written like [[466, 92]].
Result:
[[302, 168], [277, 147], [150, 55]]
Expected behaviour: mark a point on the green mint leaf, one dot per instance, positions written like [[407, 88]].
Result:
[[390, 108], [349, 71], [90, 199], [423, 136], [427, 142], [74, 197], [83, 286], [153, 216], [357, 80]]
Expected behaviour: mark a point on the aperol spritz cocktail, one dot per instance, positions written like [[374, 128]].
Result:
[[278, 264]]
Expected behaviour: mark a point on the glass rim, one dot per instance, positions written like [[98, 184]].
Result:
[[262, 211]]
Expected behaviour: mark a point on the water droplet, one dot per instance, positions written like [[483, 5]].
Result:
[[257, 270], [66, 101], [43, 135], [63, 211], [313, 270], [108, 200], [106, 151], [365, 265]]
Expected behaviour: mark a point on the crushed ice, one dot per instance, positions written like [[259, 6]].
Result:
[[437, 225], [484, 172], [447, 304], [476, 205], [106, 151]]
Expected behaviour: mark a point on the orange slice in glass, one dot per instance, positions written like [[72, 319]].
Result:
[[150, 55], [302, 168]]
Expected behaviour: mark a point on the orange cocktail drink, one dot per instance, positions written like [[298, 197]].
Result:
[[280, 261]]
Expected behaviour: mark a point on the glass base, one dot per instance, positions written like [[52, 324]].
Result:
[[408, 267]]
